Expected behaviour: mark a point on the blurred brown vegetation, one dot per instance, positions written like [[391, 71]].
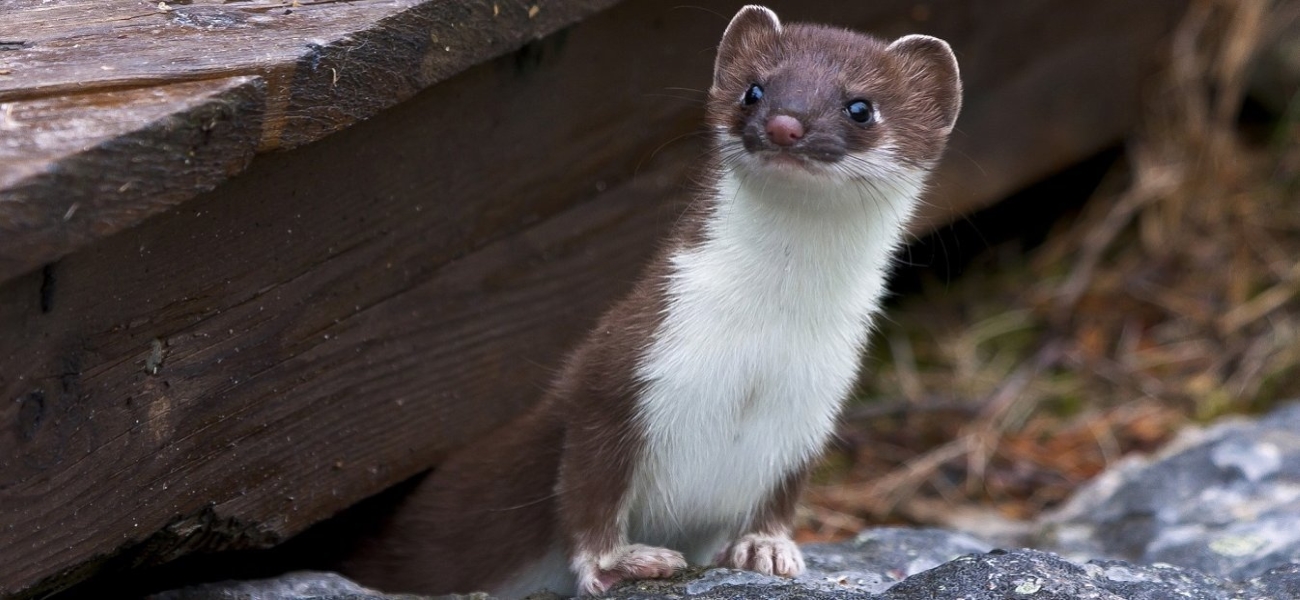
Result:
[[1172, 298]]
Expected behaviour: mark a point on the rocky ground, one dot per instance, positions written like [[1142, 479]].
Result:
[[1215, 515]]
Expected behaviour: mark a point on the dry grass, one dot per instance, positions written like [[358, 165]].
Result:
[[1174, 298]]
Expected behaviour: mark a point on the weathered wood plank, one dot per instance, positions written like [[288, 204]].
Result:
[[191, 443], [1047, 83], [324, 65], [77, 168], [253, 295], [340, 316], [327, 63]]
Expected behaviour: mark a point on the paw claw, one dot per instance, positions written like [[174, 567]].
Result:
[[766, 554], [598, 573]]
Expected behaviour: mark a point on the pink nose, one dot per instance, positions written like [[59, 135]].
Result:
[[784, 130]]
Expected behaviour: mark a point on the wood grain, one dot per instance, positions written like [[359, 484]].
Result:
[[229, 372], [338, 317], [321, 66], [78, 168], [327, 63]]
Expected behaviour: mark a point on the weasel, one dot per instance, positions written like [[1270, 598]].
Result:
[[682, 428]]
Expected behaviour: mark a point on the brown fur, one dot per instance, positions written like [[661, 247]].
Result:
[[812, 71]]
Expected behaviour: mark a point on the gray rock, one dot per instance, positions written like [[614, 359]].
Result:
[[729, 584], [299, 585], [303, 585], [1224, 501], [880, 557], [1282, 583], [862, 568], [1036, 575]]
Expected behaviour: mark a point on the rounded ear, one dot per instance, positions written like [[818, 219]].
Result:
[[932, 68], [753, 25]]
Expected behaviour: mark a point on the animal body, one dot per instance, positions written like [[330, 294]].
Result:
[[681, 429]]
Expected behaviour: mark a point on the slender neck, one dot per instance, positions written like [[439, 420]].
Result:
[[818, 257], [832, 223]]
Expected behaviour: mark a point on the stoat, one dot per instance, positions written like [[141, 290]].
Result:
[[680, 431]]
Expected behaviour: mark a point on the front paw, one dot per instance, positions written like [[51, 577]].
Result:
[[766, 554], [598, 573]]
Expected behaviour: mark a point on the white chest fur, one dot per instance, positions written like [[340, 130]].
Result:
[[759, 346]]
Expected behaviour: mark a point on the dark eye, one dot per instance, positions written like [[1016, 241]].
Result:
[[752, 95], [860, 111]]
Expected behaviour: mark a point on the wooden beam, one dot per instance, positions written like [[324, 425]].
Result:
[[322, 65], [77, 168]]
